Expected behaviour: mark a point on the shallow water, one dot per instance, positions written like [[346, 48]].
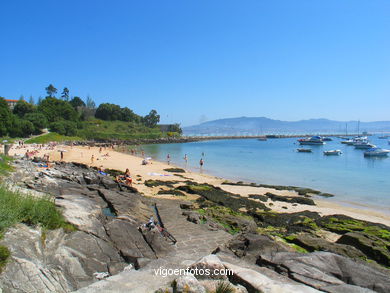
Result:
[[350, 176]]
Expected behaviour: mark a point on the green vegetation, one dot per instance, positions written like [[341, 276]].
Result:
[[100, 129], [53, 137], [5, 167], [4, 255], [19, 208], [232, 221], [224, 287], [74, 117], [344, 224]]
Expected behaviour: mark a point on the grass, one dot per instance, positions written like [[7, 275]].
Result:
[[19, 208], [4, 255], [99, 129], [53, 136], [224, 287], [5, 167]]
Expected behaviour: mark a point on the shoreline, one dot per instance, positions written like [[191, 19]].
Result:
[[155, 171]]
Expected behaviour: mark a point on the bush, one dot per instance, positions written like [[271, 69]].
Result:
[[38, 120], [20, 127], [68, 128]]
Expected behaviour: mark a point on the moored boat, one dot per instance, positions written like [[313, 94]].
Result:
[[314, 140], [327, 138], [303, 150], [332, 153], [364, 145], [376, 152]]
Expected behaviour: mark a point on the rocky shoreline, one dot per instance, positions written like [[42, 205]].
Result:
[[267, 251]]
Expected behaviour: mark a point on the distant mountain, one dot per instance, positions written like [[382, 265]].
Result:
[[263, 125]]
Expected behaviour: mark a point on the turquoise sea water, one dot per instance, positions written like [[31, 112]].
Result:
[[350, 176]]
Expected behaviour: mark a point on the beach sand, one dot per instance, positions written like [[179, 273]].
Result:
[[112, 159]]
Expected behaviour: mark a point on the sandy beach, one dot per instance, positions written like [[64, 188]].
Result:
[[112, 159]]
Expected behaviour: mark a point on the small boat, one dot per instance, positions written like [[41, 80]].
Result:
[[262, 138], [302, 150], [332, 153], [364, 146], [327, 138], [376, 152], [314, 140]]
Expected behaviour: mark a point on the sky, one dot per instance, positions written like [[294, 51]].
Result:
[[199, 60]]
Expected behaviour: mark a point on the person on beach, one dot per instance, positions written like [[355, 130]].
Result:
[[125, 178], [201, 162], [62, 155], [92, 159]]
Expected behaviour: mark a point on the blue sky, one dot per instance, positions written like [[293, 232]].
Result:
[[196, 60]]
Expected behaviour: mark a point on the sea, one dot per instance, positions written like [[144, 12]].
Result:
[[355, 180]]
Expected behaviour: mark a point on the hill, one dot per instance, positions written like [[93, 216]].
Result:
[[263, 125]]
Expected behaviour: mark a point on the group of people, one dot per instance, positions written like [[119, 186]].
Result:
[[201, 161]]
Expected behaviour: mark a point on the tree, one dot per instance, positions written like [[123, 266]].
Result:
[[20, 127], [151, 119], [22, 108], [55, 110], [77, 102], [65, 94], [39, 100], [90, 103], [107, 111], [38, 120], [129, 116], [64, 127], [31, 100], [5, 117], [51, 90]]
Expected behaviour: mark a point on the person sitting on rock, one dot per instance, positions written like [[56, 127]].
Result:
[[125, 178]]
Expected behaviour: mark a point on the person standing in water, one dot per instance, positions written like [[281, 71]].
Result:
[[168, 159], [186, 158]]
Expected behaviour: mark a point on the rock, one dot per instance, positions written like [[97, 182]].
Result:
[[210, 264], [54, 261], [372, 246], [187, 206], [291, 199], [129, 241], [193, 217], [250, 245], [256, 282], [323, 269], [189, 284], [311, 243]]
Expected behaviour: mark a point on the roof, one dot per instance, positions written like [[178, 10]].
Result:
[[10, 100]]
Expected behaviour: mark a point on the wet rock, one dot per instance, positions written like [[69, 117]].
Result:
[[221, 197], [372, 246], [312, 243], [290, 199]]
